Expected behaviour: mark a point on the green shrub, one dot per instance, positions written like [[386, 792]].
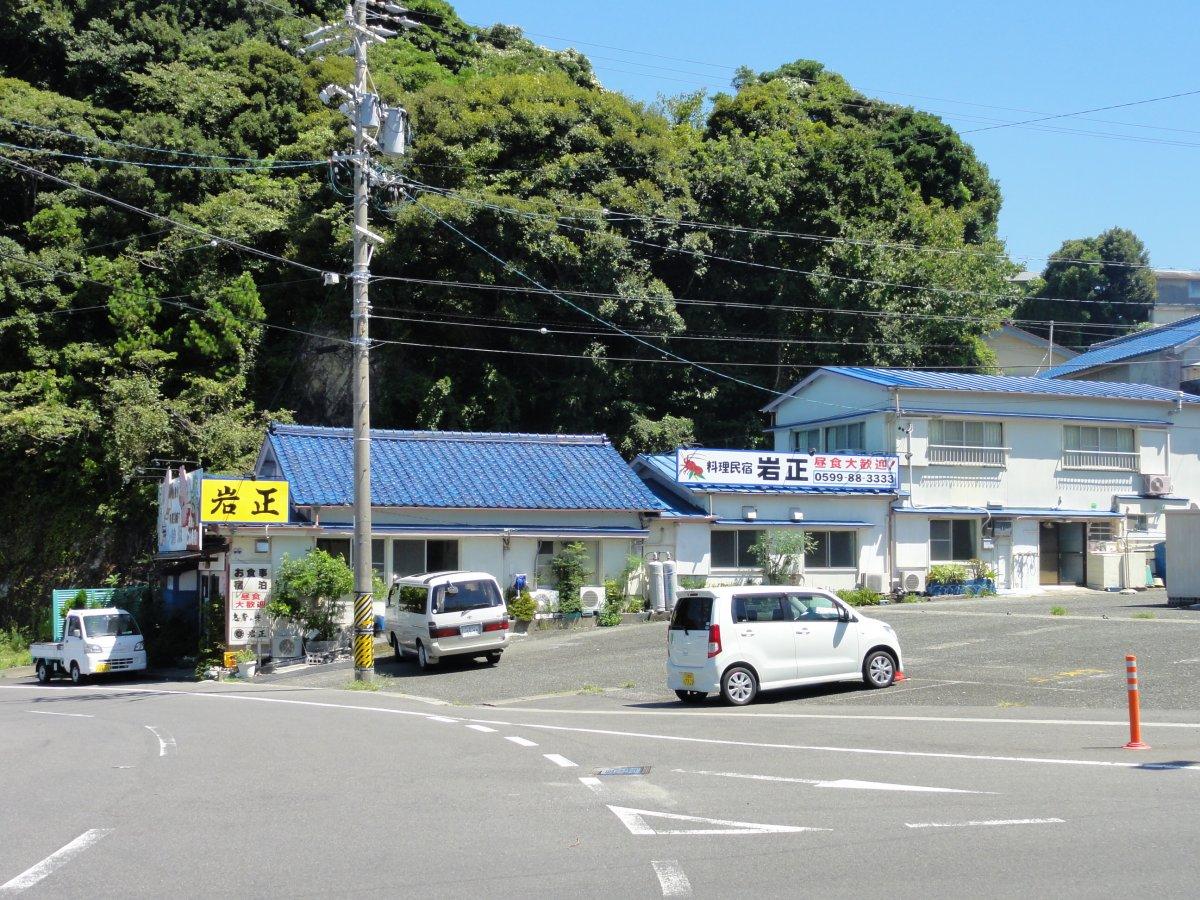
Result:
[[309, 591], [692, 582], [523, 607], [979, 569], [780, 553], [571, 569], [609, 616], [1058, 610], [635, 604], [860, 596], [912, 598], [614, 592], [14, 649], [947, 573]]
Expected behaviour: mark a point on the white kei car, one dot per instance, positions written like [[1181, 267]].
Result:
[[740, 640]]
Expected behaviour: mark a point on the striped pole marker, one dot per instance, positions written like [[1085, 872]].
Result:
[[1135, 706]]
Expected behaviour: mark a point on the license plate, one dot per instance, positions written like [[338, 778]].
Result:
[[470, 630], [101, 667], [689, 679]]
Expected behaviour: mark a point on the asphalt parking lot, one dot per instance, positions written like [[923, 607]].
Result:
[[989, 652]]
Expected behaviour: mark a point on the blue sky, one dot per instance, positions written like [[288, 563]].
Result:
[[1029, 57]]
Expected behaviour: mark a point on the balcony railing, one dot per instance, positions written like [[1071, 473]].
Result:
[[947, 455], [1107, 460]]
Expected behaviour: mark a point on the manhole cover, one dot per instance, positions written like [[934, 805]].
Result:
[[624, 770]]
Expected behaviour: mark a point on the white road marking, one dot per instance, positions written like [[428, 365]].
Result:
[[1005, 615], [1042, 630], [560, 760], [635, 821], [445, 719], [482, 728], [520, 741], [984, 822], [847, 783], [671, 879], [592, 784], [43, 712], [55, 860], [871, 751], [165, 741]]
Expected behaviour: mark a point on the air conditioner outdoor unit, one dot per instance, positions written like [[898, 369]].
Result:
[[873, 581], [912, 581], [1156, 485], [286, 645], [591, 599]]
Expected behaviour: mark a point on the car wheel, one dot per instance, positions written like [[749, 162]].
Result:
[[76, 675], [691, 696], [739, 686], [494, 657], [396, 647], [43, 673], [423, 661], [879, 669]]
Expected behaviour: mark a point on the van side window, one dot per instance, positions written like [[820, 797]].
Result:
[[761, 608], [813, 608], [412, 599], [73, 628]]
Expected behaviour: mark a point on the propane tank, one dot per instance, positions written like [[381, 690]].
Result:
[[654, 575], [670, 588]]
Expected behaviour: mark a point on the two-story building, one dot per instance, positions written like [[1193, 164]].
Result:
[[1025, 473]]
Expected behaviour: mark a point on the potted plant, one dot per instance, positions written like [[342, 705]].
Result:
[[247, 662], [522, 608], [570, 568], [310, 590]]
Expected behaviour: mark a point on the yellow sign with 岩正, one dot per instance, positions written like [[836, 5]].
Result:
[[243, 501]]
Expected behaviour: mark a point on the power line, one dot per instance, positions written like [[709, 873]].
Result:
[[157, 165], [850, 279], [1084, 112], [39, 173]]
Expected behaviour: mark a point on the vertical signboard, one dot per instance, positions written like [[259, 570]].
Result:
[[179, 511], [249, 590]]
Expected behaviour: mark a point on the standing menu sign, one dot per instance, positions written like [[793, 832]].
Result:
[[249, 589], [756, 468]]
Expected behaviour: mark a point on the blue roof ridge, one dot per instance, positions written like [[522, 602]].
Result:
[[489, 437], [1112, 342]]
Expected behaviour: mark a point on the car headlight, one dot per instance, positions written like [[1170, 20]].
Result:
[[94, 648], [140, 645]]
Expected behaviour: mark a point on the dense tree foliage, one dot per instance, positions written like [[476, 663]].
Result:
[[1101, 280], [838, 229]]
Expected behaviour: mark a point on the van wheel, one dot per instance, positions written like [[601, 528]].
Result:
[[739, 686], [423, 661], [76, 675], [494, 657], [43, 673], [396, 646], [879, 669], [691, 696]]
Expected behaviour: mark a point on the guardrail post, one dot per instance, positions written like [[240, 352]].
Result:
[[1135, 706]]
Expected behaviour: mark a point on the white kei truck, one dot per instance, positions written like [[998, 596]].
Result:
[[94, 642]]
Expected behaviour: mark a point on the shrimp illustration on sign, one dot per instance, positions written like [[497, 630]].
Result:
[[692, 468]]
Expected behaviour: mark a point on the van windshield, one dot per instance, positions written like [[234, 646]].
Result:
[[479, 594], [114, 625], [691, 614]]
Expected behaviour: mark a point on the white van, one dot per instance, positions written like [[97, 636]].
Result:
[[740, 640], [446, 614]]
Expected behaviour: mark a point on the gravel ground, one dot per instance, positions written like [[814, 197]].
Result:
[[996, 651]]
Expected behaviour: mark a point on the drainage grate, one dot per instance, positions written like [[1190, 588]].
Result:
[[624, 770]]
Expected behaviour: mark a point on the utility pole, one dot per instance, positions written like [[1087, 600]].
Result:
[[376, 127]]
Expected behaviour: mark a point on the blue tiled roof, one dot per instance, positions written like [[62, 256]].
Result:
[[460, 470], [1152, 340], [1007, 384]]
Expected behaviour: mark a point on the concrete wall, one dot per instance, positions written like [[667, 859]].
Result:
[[1183, 562], [1017, 356]]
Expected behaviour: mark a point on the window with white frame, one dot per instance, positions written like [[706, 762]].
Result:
[[849, 436], [966, 442], [806, 439], [951, 540], [731, 549], [1099, 447], [831, 550], [416, 557]]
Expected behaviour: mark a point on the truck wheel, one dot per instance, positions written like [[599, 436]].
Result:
[[43, 673], [76, 675]]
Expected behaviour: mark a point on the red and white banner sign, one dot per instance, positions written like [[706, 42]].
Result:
[[759, 468]]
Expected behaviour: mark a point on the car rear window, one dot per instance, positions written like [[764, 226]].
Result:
[[470, 595], [691, 613]]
